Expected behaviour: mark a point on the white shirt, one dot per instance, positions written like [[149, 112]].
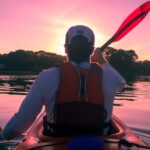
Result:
[[43, 93]]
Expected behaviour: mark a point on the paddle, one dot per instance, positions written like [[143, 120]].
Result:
[[129, 23]]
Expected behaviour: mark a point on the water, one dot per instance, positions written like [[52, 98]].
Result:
[[134, 102], [132, 105]]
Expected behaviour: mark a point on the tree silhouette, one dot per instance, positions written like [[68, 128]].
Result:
[[125, 61]]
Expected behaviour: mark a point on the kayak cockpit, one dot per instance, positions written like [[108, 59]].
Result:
[[36, 140]]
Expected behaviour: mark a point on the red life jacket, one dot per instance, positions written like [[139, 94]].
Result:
[[80, 99]]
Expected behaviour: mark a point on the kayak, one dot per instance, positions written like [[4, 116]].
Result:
[[120, 138]]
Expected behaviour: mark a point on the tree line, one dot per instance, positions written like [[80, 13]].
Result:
[[24, 60], [125, 61]]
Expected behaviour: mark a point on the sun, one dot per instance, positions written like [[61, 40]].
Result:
[[61, 49], [58, 40], [100, 38]]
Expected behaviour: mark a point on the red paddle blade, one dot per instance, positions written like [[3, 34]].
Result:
[[131, 21]]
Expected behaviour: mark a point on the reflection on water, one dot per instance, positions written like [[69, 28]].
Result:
[[11, 145], [13, 84], [136, 89], [135, 105], [132, 104]]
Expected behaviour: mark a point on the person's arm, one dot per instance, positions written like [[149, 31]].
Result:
[[97, 57], [110, 73], [28, 111], [116, 79]]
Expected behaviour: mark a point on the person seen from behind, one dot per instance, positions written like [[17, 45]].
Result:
[[78, 95]]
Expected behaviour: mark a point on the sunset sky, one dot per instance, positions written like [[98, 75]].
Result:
[[42, 24]]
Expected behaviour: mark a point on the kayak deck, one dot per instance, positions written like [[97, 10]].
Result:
[[36, 140]]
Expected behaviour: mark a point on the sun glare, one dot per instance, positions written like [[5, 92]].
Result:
[[100, 39], [58, 41], [61, 49]]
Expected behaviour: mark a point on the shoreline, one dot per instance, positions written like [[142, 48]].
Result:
[[19, 72]]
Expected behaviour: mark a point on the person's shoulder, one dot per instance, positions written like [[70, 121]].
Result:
[[106, 65], [47, 73], [50, 70], [48, 77]]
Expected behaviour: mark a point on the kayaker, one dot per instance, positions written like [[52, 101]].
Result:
[[49, 84]]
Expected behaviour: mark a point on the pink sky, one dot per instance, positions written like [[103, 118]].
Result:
[[41, 24]]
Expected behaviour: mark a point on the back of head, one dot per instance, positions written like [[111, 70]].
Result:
[[79, 43]]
